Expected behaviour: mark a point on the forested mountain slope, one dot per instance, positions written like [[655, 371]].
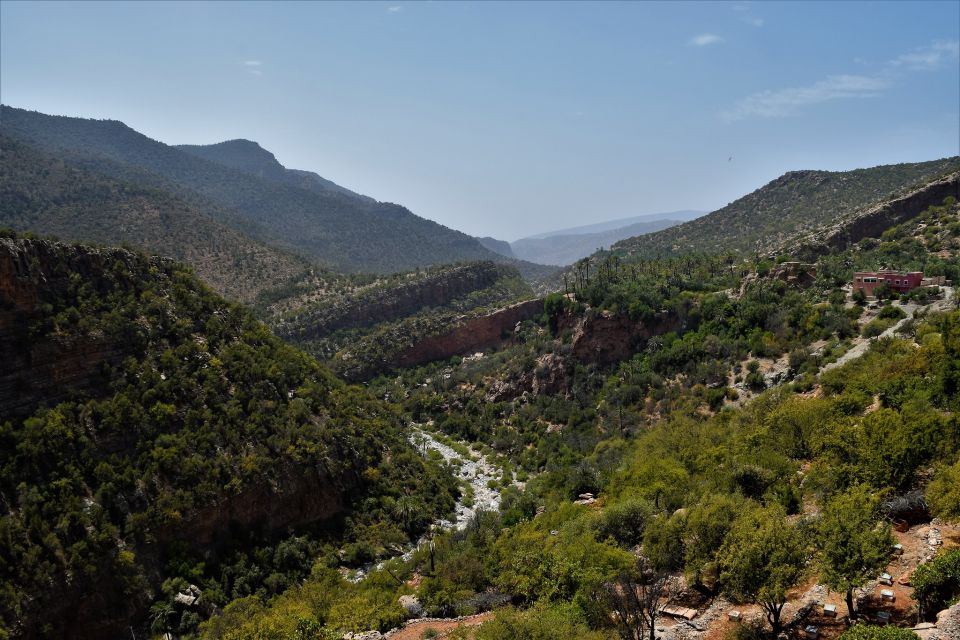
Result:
[[45, 195], [154, 436], [338, 229], [795, 204]]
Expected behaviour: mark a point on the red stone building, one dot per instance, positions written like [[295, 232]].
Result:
[[900, 281]]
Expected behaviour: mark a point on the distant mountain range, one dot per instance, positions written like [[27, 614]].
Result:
[[240, 184], [619, 223], [566, 246]]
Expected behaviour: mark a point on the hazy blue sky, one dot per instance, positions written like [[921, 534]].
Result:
[[509, 119]]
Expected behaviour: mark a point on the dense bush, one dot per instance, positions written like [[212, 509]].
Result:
[[205, 408], [936, 584]]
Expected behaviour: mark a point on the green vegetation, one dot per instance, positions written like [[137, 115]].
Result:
[[213, 455], [936, 584], [854, 546], [795, 204], [205, 408], [943, 492], [48, 196], [761, 558], [538, 623], [713, 490], [865, 632]]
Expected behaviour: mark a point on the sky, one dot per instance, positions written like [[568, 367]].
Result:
[[508, 119]]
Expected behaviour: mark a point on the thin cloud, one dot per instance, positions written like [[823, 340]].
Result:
[[928, 58], [787, 102], [395, 9], [756, 22], [253, 67], [705, 39], [790, 101]]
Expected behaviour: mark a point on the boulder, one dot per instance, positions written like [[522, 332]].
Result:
[[411, 605]]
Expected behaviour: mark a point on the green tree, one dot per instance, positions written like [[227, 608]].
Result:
[[663, 541], [937, 583], [864, 632], [854, 546], [707, 525], [762, 557], [943, 492]]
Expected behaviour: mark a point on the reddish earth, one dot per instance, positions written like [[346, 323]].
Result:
[[716, 625], [415, 630]]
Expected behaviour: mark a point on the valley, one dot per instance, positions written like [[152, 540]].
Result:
[[233, 436]]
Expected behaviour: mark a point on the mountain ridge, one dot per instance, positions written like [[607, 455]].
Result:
[[48, 196], [250, 157], [340, 230], [792, 205]]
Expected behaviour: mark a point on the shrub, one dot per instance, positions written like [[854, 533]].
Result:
[[937, 583], [891, 312], [875, 327], [943, 492], [626, 521], [865, 632]]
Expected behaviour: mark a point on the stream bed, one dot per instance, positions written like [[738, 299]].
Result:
[[473, 469]]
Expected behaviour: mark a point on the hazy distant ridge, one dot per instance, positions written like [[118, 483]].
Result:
[[566, 246]]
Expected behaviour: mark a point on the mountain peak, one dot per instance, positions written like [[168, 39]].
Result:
[[242, 154]]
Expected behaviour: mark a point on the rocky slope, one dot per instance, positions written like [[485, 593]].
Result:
[[794, 205], [469, 334], [873, 221], [393, 300]]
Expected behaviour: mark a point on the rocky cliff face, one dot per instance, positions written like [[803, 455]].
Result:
[[470, 334], [375, 306], [872, 222], [605, 338], [43, 372], [600, 338]]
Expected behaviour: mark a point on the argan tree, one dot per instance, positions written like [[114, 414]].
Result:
[[854, 545], [762, 557]]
